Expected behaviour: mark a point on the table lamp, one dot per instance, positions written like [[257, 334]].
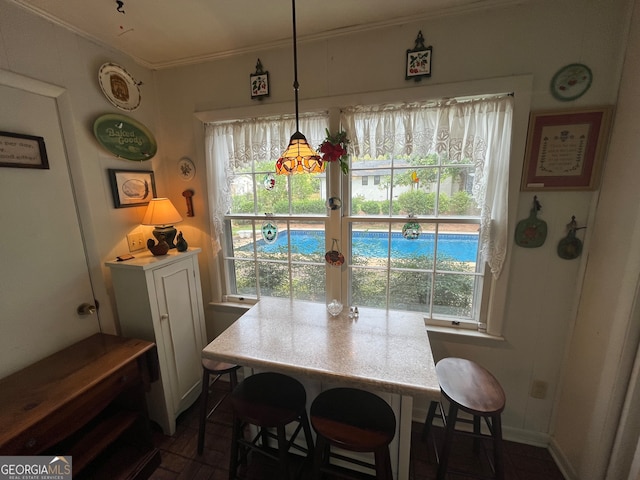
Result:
[[163, 215]]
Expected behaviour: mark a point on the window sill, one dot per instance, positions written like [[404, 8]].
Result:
[[461, 334]]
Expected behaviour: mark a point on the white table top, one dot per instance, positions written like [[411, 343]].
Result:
[[381, 350]]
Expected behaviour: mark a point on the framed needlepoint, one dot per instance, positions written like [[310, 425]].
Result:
[[565, 149]]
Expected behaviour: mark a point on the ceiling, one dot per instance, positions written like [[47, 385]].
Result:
[[162, 33]]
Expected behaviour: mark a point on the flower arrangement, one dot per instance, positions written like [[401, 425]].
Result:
[[334, 149]]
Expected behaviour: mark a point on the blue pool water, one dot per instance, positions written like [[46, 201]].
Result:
[[456, 246]]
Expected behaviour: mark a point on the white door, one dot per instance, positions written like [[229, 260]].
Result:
[[181, 330], [43, 269]]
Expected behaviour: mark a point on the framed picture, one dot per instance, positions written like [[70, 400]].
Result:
[[565, 149], [22, 151], [132, 188], [259, 82], [419, 60]]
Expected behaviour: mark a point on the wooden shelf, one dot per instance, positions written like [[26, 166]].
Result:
[[86, 401]]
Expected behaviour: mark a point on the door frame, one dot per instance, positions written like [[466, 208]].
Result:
[[81, 199]]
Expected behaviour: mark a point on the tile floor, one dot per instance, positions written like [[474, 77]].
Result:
[[180, 460]]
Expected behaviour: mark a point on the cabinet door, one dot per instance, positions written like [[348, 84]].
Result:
[[177, 289]]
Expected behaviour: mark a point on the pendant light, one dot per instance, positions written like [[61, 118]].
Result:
[[299, 157]]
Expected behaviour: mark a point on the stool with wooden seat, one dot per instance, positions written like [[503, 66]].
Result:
[[352, 420], [269, 401], [471, 388], [211, 368]]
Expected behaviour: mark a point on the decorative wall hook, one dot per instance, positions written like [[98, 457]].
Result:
[[570, 247], [187, 194], [531, 232]]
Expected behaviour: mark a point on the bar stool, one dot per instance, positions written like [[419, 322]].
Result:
[[217, 369], [471, 388], [356, 421], [268, 400]]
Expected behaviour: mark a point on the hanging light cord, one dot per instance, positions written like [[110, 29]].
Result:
[[296, 85]]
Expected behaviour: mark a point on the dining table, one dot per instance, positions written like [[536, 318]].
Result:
[[383, 351]]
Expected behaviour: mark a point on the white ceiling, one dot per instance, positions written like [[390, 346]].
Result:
[[164, 33]]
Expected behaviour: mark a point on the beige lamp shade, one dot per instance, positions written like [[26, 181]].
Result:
[[163, 215]]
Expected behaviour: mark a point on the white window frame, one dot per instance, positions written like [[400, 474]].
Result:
[[495, 291]]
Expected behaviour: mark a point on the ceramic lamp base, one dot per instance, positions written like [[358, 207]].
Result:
[[168, 234]]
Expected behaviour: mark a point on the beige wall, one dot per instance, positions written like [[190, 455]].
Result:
[[534, 38]]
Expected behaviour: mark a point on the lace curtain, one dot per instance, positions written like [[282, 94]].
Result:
[[232, 145], [479, 130]]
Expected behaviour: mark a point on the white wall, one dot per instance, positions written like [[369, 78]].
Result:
[[534, 38]]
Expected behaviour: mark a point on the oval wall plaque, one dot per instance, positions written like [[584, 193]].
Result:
[[125, 137]]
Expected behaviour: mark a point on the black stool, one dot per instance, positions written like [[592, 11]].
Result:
[[468, 387], [268, 400], [217, 369], [356, 421]]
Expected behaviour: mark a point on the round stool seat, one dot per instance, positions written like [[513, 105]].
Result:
[[470, 386], [269, 399], [353, 419], [218, 368]]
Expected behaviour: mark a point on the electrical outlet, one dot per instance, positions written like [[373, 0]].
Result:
[[538, 389], [135, 241]]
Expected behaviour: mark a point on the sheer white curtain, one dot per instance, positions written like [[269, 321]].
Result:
[[477, 130], [235, 144]]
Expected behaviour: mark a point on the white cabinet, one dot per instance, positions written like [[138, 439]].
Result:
[[159, 299]]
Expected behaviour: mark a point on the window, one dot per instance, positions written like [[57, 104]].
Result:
[[418, 240], [258, 214], [418, 237]]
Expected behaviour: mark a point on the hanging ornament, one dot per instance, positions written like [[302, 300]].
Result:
[[411, 230], [531, 232], [269, 231], [269, 181], [334, 257], [570, 247], [333, 203]]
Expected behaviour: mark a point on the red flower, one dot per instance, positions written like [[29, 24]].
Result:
[[333, 149]]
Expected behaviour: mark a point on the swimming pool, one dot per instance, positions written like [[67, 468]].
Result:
[[456, 246]]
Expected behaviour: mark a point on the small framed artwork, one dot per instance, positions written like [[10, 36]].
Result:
[[419, 60], [132, 188], [259, 82], [565, 149], [22, 151]]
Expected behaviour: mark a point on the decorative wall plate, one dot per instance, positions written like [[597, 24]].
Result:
[[119, 87], [125, 137], [186, 168], [571, 82]]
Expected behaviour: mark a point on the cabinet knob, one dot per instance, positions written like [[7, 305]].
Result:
[[164, 316]]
